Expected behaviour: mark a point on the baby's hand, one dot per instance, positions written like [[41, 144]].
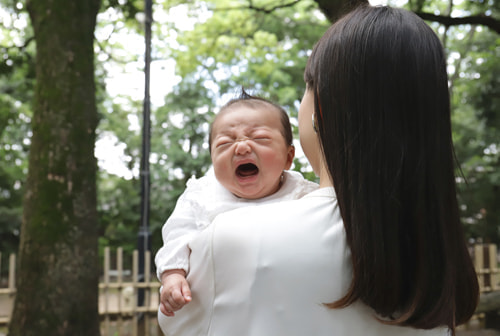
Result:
[[175, 292]]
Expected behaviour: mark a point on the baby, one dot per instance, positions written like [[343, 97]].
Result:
[[251, 148]]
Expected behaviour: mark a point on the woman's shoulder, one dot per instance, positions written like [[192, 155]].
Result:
[[323, 198]]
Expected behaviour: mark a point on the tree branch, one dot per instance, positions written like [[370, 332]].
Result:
[[482, 19], [333, 9], [22, 47], [260, 9], [460, 61], [270, 10]]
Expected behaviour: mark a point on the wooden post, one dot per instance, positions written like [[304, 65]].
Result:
[[479, 265], [12, 274], [487, 271], [106, 289], [119, 280], [135, 280], [493, 266], [147, 290]]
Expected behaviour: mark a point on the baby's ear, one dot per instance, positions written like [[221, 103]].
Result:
[[290, 156]]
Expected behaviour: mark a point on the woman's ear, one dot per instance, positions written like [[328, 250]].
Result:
[[289, 156]]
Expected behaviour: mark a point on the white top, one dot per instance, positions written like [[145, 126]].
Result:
[[267, 270], [205, 198]]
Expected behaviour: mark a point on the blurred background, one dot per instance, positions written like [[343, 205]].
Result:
[[202, 53]]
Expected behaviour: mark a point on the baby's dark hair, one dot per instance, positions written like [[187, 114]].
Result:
[[245, 99]]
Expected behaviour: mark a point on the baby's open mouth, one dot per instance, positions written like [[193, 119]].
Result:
[[247, 169]]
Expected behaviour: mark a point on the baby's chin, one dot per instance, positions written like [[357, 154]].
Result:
[[248, 193]]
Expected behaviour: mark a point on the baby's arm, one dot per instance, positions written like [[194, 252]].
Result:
[[175, 292], [176, 234], [172, 259]]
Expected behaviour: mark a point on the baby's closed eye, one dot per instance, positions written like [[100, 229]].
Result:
[[224, 142], [261, 138]]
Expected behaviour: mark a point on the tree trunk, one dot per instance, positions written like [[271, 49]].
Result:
[[57, 278]]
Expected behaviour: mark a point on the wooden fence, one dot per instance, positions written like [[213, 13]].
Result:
[[485, 259], [118, 296], [118, 291]]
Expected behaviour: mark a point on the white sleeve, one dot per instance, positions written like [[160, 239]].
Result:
[[177, 232]]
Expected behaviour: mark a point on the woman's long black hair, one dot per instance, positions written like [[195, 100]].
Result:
[[382, 104]]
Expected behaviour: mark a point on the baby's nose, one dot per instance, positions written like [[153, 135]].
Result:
[[242, 147]]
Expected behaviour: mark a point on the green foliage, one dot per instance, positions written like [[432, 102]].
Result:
[[476, 120], [16, 91], [119, 198], [13, 153], [179, 141], [129, 8], [119, 212], [239, 45], [303, 167]]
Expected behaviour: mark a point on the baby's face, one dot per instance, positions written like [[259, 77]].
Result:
[[249, 152]]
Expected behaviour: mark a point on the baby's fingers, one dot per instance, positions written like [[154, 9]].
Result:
[[174, 302], [186, 292], [166, 311], [177, 299]]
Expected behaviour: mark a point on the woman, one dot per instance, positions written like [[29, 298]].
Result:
[[378, 249]]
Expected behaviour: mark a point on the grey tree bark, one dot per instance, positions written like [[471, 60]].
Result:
[[57, 279]]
